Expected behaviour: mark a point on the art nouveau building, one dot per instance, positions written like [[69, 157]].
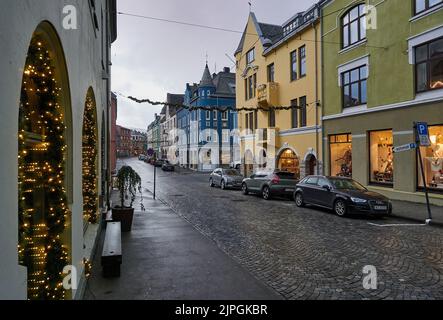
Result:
[[55, 90], [383, 71], [279, 66]]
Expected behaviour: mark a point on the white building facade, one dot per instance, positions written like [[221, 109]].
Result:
[[55, 90]]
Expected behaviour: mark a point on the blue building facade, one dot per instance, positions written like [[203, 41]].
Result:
[[206, 142]]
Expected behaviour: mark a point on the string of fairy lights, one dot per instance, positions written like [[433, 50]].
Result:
[[43, 209], [90, 196]]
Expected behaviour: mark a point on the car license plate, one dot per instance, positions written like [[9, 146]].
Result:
[[289, 189], [380, 207]]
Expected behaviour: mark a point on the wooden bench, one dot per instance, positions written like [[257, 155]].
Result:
[[112, 250]]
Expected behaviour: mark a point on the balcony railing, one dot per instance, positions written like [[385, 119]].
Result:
[[267, 94]]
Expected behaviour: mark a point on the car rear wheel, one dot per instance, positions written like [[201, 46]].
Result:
[[266, 193], [211, 183], [299, 201], [340, 208], [223, 185], [244, 189]]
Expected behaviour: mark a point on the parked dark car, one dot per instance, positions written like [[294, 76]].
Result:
[[159, 163], [167, 166], [226, 178], [342, 195], [269, 184], [142, 157]]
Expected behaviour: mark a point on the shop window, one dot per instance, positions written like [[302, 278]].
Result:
[[341, 155], [288, 161], [381, 157], [433, 160]]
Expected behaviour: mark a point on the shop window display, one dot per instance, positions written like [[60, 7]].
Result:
[[288, 161], [341, 155], [381, 157], [433, 160]]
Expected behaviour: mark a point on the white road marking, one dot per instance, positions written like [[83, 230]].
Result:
[[398, 225]]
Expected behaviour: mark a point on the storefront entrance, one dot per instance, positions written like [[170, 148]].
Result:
[[288, 161]]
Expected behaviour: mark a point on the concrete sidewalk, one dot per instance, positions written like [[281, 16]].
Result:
[[417, 212], [165, 258]]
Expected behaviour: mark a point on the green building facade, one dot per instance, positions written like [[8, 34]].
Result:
[[382, 70]]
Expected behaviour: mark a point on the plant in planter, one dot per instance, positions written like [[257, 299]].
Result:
[[128, 183]]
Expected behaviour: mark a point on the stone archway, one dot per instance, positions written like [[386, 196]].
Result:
[[288, 160], [90, 160], [310, 165], [44, 166]]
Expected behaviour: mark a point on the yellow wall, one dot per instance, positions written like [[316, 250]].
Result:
[[309, 86]]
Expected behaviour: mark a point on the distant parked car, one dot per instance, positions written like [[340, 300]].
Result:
[[167, 166], [159, 163], [269, 184], [142, 157], [225, 178], [342, 195]]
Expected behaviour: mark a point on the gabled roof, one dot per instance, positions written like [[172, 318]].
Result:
[[264, 30]]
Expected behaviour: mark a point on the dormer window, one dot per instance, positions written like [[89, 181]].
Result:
[[354, 26], [250, 56]]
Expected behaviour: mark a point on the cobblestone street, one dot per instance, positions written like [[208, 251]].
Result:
[[307, 253]]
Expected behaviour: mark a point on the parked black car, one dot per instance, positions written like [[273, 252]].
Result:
[[269, 184], [226, 178], [167, 166], [342, 195]]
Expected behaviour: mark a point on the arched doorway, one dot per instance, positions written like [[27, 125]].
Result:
[[89, 160], [288, 161], [311, 165], [248, 163], [44, 166]]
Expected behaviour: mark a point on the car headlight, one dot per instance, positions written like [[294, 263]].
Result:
[[358, 200]]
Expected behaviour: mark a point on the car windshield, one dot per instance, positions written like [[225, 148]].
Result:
[[346, 184], [286, 175], [231, 172]]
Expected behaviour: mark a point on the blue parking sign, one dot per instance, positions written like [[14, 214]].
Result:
[[423, 134]]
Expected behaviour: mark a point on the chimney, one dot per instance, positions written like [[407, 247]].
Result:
[[226, 69]]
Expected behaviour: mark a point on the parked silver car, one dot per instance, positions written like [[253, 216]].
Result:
[[268, 184], [225, 178]]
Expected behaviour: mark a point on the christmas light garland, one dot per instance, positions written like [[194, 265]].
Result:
[[90, 205], [43, 208]]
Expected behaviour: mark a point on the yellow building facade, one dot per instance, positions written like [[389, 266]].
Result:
[[280, 66]]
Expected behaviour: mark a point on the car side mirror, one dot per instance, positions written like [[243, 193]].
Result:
[[326, 187]]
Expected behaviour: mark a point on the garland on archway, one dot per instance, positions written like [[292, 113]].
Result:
[[43, 208], [90, 204]]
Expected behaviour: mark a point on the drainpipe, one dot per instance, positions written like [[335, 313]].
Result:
[[317, 144], [322, 90]]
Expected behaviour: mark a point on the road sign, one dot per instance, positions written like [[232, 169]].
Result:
[[405, 147], [423, 134]]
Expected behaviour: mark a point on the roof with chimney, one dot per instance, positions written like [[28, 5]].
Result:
[[206, 80], [224, 81]]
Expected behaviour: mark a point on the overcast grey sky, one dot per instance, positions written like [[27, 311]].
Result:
[[151, 58]]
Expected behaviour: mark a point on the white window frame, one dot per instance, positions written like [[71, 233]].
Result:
[[352, 65], [422, 38]]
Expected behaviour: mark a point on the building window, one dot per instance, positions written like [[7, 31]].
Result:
[[250, 56], [249, 117], [215, 115], [294, 114], [423, 5], [272, 118], [246, 89], [225, 136], [302, 61], [225, 115], [354, 26], [252, 85], [271, 70], [433, 160], [429, 66], [303, 112], [354, 86], [293, 65], [381, 157], [208, 115], [340, 151]]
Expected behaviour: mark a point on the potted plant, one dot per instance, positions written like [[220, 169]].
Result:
[[128, 183]]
